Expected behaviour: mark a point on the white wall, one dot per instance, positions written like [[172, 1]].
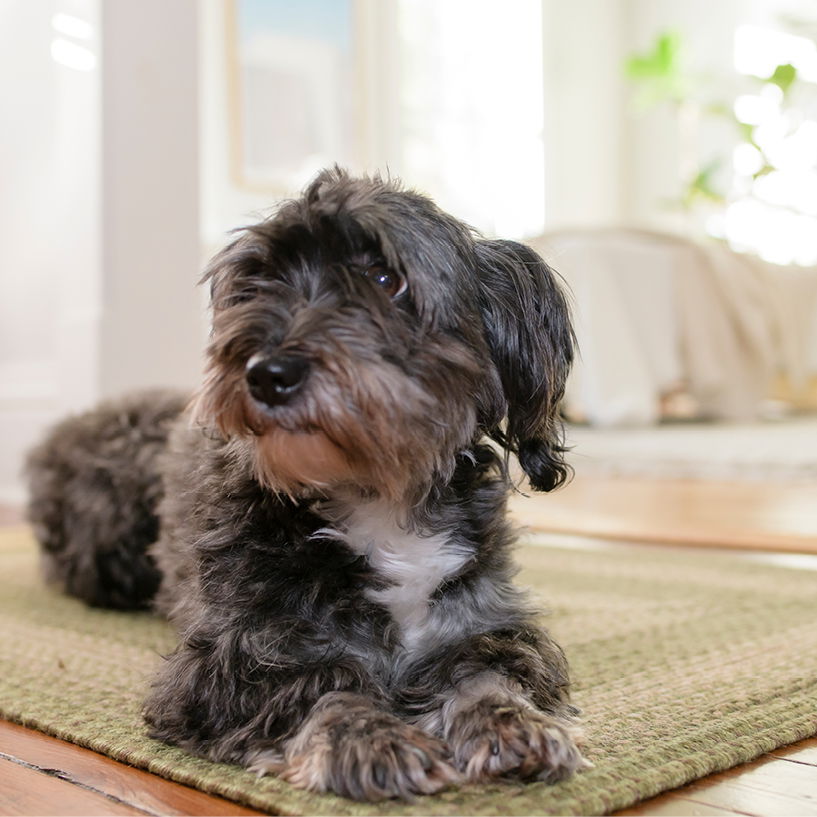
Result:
[[31, 227], [99, 249], [586, 154], [150, 192]]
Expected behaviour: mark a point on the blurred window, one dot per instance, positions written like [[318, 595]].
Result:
[[471, 109], [774, 205], [295, 90]]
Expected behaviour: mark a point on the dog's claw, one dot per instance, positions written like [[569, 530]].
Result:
[[425, 760], [380, 775]]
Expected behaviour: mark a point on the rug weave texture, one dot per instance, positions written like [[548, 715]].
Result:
[[685, 663]]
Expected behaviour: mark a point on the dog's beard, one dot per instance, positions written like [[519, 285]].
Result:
[[392, 444], [359, 422], [291, 461]]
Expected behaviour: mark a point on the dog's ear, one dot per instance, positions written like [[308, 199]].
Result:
[[528, 329]]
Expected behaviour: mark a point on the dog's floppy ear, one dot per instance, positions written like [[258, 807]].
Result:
[[528, 329]]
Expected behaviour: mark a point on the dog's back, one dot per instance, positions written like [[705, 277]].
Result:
[[94, 485]]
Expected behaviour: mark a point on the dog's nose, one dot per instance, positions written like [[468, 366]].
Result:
[[274, 380]]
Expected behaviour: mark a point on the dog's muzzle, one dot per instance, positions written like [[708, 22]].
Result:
[[274, 380]]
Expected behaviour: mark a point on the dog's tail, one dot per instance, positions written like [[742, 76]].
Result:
[[94, 487]]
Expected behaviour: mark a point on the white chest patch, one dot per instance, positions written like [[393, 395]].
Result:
[[415, 564]]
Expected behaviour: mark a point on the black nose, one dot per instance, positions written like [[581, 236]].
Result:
[[274, 380]]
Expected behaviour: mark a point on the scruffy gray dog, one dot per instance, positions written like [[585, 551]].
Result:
[[326, 525]]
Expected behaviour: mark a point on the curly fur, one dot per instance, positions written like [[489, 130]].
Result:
[[337, 559]]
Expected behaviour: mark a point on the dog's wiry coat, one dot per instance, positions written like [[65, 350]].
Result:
[[413, 563], [332, 541]]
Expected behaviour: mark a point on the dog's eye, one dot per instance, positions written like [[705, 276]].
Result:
[[391, 282]]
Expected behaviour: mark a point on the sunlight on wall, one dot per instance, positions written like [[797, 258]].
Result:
[[67, 52], [774, 211], [472, 109]]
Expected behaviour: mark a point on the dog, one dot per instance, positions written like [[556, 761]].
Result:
[[325, 524]]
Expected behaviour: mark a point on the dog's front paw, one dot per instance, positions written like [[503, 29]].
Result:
[[515, 740], [362, 753]]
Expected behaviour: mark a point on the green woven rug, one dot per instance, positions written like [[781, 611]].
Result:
[[685, 663]]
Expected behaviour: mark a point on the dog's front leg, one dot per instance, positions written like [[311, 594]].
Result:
[[500, 702], [350, 745], [323, 725]]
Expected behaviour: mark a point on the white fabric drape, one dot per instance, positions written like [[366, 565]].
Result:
[[655, 313]]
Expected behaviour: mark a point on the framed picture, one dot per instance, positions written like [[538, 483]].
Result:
[[294, 90]]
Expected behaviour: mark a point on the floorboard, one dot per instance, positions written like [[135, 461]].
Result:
[[88, 771], [27, 790], [772, 786], [743, 516]]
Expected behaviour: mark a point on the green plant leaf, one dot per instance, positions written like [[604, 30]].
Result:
[[659, 72], [663, 61], [764, 171], [718, 109], [747, 133], [701, 185], [783, 76]]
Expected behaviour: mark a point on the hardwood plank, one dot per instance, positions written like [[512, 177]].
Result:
[[25, 791], [745, 516], [745, 799], [767, 780], [672, 805], [138, 788], [805, 752], [767, 787]]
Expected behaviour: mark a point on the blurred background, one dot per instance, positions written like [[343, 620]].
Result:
[[661, 155]]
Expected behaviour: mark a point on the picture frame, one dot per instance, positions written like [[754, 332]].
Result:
[[294, 86]]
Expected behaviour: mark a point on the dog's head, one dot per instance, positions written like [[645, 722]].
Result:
[[362, 337]]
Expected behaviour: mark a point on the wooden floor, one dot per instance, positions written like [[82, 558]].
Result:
[[746, 516], [42, 775]]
